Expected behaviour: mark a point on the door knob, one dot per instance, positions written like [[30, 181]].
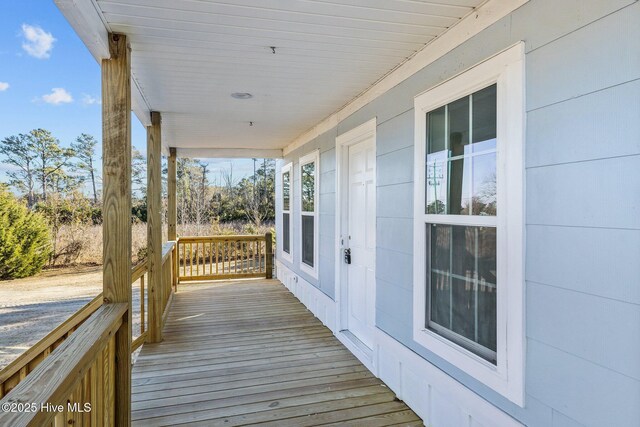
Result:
[[347, 256]]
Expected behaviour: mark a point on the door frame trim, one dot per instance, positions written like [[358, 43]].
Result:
[[343, 142]]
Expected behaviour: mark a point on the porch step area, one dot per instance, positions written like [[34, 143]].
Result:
[[248, 352]]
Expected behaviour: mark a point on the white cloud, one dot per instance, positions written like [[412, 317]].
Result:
[[4, 86], [57, 96], [38, 43], [90, 100]]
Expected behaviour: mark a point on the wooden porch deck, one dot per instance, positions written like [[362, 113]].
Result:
[[248, 352]]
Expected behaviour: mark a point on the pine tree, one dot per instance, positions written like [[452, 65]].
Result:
[[85, 152], [19, 153], [49, 157]]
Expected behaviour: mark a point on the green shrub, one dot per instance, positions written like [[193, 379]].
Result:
[[25, 240]]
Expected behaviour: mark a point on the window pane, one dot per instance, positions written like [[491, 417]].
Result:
[[484, 185], [307, 239], [462, 286], [486, 287], [459, 191], [459, 180], [436, 189], [436, 131], [308, 186], [285, 233], [440, 257], [463, 258], [458, 112], [285, 191], [484, 119]]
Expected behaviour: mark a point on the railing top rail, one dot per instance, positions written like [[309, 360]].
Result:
[[230, 237], [139, 270], [53, 380], [166, 250]]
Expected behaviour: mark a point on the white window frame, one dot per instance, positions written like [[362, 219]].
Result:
[[505, 69], [313, 157], [287, 168]]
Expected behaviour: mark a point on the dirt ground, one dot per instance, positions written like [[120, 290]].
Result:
[[30, 308]]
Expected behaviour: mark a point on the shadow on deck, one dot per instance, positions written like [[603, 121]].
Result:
[[248, 352]]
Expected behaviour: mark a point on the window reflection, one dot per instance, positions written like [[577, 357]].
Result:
[[460, 173], [285, 191], [308, 186], [463, 284], [461, 156]]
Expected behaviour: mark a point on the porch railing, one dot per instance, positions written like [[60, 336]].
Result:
[[225, 257], [74, 364], [80, 371]]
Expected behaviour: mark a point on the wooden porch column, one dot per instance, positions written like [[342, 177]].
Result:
[[154, 228], [116, 208], [172, 213], [172, 210]]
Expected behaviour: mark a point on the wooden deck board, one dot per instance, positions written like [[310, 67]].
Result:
[[248, 352]]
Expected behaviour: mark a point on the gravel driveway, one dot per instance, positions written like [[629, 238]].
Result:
[[30, 308]]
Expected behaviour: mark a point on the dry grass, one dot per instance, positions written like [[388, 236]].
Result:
[[82, 244]]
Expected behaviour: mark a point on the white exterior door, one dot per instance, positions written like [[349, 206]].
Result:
[[361, 241]]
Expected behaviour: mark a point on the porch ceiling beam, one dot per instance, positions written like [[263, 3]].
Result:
[[237, 153], [154, 227], [116, 208]]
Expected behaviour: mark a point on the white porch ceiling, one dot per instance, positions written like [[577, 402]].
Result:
[[188, 56]]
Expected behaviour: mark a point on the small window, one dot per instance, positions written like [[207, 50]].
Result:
[[308, 213], [286, 212]]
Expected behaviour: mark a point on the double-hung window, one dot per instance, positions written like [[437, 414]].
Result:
[[468, 224], [309, 213], [286, 180]]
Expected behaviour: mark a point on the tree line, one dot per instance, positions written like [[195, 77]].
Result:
[[57, 180], [60, 185]]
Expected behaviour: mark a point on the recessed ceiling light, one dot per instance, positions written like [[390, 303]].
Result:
[[241, 95]]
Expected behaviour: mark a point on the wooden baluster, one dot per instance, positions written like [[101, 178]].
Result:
[[96, 391], [268, 256], [86, 398], [197, 260], [217, 245], [142, 304]]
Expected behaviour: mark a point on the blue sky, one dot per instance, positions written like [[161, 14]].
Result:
[[48, 79]]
